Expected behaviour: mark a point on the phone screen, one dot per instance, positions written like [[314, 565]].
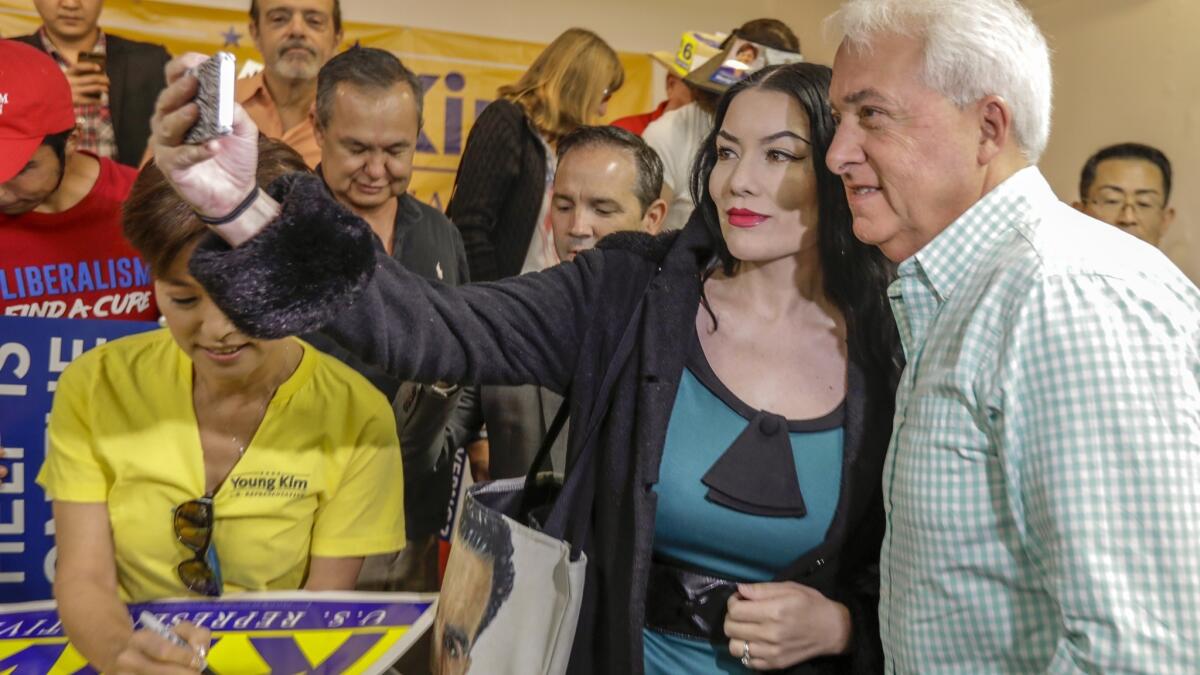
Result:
[[93, 57], [98, 59]]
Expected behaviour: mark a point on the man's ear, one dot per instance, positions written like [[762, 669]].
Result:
[[653, 217], [995, 127], [1079, 206], [1168, 217], [73, 141], [318, 132]]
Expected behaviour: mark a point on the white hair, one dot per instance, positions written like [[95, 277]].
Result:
[[973, 49]]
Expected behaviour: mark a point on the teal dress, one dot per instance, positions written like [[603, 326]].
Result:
[[693, 529]]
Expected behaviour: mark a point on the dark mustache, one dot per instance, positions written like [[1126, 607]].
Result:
[[296, 44]]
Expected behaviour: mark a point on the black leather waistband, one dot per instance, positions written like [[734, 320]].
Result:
[[687, 602]]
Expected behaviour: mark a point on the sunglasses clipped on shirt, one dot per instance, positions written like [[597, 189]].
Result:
[[193, 527]]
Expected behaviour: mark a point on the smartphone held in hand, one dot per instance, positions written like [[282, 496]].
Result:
[[94, 57], [214, 96]]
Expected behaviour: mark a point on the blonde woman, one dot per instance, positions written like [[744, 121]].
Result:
[[500, 200]]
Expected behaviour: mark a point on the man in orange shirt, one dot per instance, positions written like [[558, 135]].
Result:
[[295, 38]]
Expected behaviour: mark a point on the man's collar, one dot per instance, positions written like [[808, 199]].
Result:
[[408, 210], [248, 87], [960, 247]]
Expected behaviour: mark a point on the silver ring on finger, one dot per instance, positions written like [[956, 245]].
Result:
[[746, 653]]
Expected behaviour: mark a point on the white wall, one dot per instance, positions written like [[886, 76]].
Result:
[[1125, 70], [806, 18]]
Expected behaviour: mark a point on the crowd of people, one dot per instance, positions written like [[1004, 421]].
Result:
[[891, 405]]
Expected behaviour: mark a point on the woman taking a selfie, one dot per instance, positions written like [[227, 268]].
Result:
[[737, 516]]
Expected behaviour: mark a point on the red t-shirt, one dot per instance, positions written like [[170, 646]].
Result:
[[76, 264], [637, 124]]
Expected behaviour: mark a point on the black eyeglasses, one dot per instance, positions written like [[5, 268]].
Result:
[[193, 528], [1112, 204]]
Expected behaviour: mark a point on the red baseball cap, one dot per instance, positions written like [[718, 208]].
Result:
[[35, 101]]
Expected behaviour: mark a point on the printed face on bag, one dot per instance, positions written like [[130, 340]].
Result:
[[367, 143], [459, 614], [479, 579], [295, 37]]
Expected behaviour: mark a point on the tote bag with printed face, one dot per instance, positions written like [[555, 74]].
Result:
[[511, 595], [513, 587]]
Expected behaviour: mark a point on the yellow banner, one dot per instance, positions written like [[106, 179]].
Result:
[[461, 72]]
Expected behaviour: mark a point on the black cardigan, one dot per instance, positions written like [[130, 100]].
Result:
[[135, 75], [498, 191], [559, 328]]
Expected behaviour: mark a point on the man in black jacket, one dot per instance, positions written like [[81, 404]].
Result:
[[114, 81], [607, 180], [366, 121]]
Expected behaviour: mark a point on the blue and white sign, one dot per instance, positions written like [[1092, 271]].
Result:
[[33, 353]]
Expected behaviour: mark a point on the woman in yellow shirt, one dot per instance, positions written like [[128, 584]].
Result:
[[195, 460]]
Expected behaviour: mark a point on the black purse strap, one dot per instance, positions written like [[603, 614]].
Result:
[[527, 498], [551, 435]]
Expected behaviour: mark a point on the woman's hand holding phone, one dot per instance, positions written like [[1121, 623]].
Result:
[[217, 175]]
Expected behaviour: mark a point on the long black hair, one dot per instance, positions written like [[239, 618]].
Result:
[[855, 275]]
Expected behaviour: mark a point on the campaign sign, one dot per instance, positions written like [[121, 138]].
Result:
[[33, 353], [253, 633]]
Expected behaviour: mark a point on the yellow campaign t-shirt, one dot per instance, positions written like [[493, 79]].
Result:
[[322, 475]]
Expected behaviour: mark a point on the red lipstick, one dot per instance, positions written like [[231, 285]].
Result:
[[745, 217]]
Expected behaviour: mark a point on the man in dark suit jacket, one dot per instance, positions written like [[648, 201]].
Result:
[[607, 180], [113, 101]]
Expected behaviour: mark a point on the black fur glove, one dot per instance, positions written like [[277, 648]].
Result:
[[296, 274]]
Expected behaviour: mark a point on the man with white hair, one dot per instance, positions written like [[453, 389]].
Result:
[[1043, 484]]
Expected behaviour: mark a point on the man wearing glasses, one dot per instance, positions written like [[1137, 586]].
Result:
[[1128, 185]]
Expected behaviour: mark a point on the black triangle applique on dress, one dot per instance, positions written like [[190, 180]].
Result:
[[757, 474]]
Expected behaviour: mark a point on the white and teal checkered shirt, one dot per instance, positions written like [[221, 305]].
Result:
[[1043, 482]]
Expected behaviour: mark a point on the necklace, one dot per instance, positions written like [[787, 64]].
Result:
[[241, 444], [240, 441]]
